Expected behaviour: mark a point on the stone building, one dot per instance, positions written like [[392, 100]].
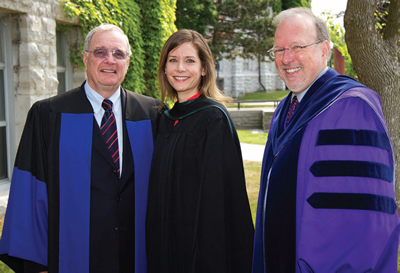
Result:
[[34, 64], [240, 76]]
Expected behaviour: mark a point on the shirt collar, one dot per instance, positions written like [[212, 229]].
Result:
[[96, 99], [302, 94]]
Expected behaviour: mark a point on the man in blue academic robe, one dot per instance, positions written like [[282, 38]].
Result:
[[74, 206]]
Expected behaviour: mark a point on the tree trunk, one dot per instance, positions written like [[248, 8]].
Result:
[[376, 60], [259, 75]]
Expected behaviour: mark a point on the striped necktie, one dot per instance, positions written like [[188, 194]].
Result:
[[109, 131], [292, 108]]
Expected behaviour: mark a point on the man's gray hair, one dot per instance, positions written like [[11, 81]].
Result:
[[320, 25], [105, 27]]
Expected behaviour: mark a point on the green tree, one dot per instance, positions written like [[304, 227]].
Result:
[[234, 27], [376, 58], [222, 31], [337, 34], [132, 17], [244, 29], [287, 4], [196, 15]]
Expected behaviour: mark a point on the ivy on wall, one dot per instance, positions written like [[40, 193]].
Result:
[[147, 23], [158, 25]]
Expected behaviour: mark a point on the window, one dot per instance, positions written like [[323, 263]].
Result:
[[246, 64], [3, 127], [63, 63], [7, 148]]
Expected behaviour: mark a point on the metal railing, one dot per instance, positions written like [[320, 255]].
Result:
[[238, 102]]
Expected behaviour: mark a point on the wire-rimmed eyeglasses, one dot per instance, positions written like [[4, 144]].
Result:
[[278, 51], [102, 53]]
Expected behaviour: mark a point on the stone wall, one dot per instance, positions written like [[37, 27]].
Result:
[[33, 25], [251, 119]]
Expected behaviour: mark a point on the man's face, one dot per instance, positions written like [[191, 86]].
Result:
[[104, 75], [299, 69]]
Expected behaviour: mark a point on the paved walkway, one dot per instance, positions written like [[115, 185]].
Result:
[[252, 152], [4, 189]]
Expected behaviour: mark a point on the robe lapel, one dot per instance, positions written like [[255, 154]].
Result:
[[320, 95], [127, 161], [99, 143]]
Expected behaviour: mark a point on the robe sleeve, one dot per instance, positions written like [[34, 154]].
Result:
[[225, 206], [23, 244], [346, 211]]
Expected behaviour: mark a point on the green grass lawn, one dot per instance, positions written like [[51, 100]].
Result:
[[252, 137], [3, 267], [274, 95], [252, 171], [261, 96]]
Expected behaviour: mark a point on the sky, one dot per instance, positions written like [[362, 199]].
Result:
[[335, 6]]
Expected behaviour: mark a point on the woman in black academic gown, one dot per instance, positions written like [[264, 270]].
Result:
[[198, 215]]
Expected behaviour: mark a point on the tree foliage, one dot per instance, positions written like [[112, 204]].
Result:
[[381, 15], [132, 18], [376, 58], [337, 34], [245, 28], [287, 4], [196, 15], [234, 27]]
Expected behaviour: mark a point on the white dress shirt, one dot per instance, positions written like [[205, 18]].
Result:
[[96, 100]]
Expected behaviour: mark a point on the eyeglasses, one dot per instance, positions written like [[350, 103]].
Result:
[[102, 53], [276, 52]]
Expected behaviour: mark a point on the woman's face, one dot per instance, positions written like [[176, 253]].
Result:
[[184, 71]]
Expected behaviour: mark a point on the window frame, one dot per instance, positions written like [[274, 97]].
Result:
[[67, 67], [6, 68]]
